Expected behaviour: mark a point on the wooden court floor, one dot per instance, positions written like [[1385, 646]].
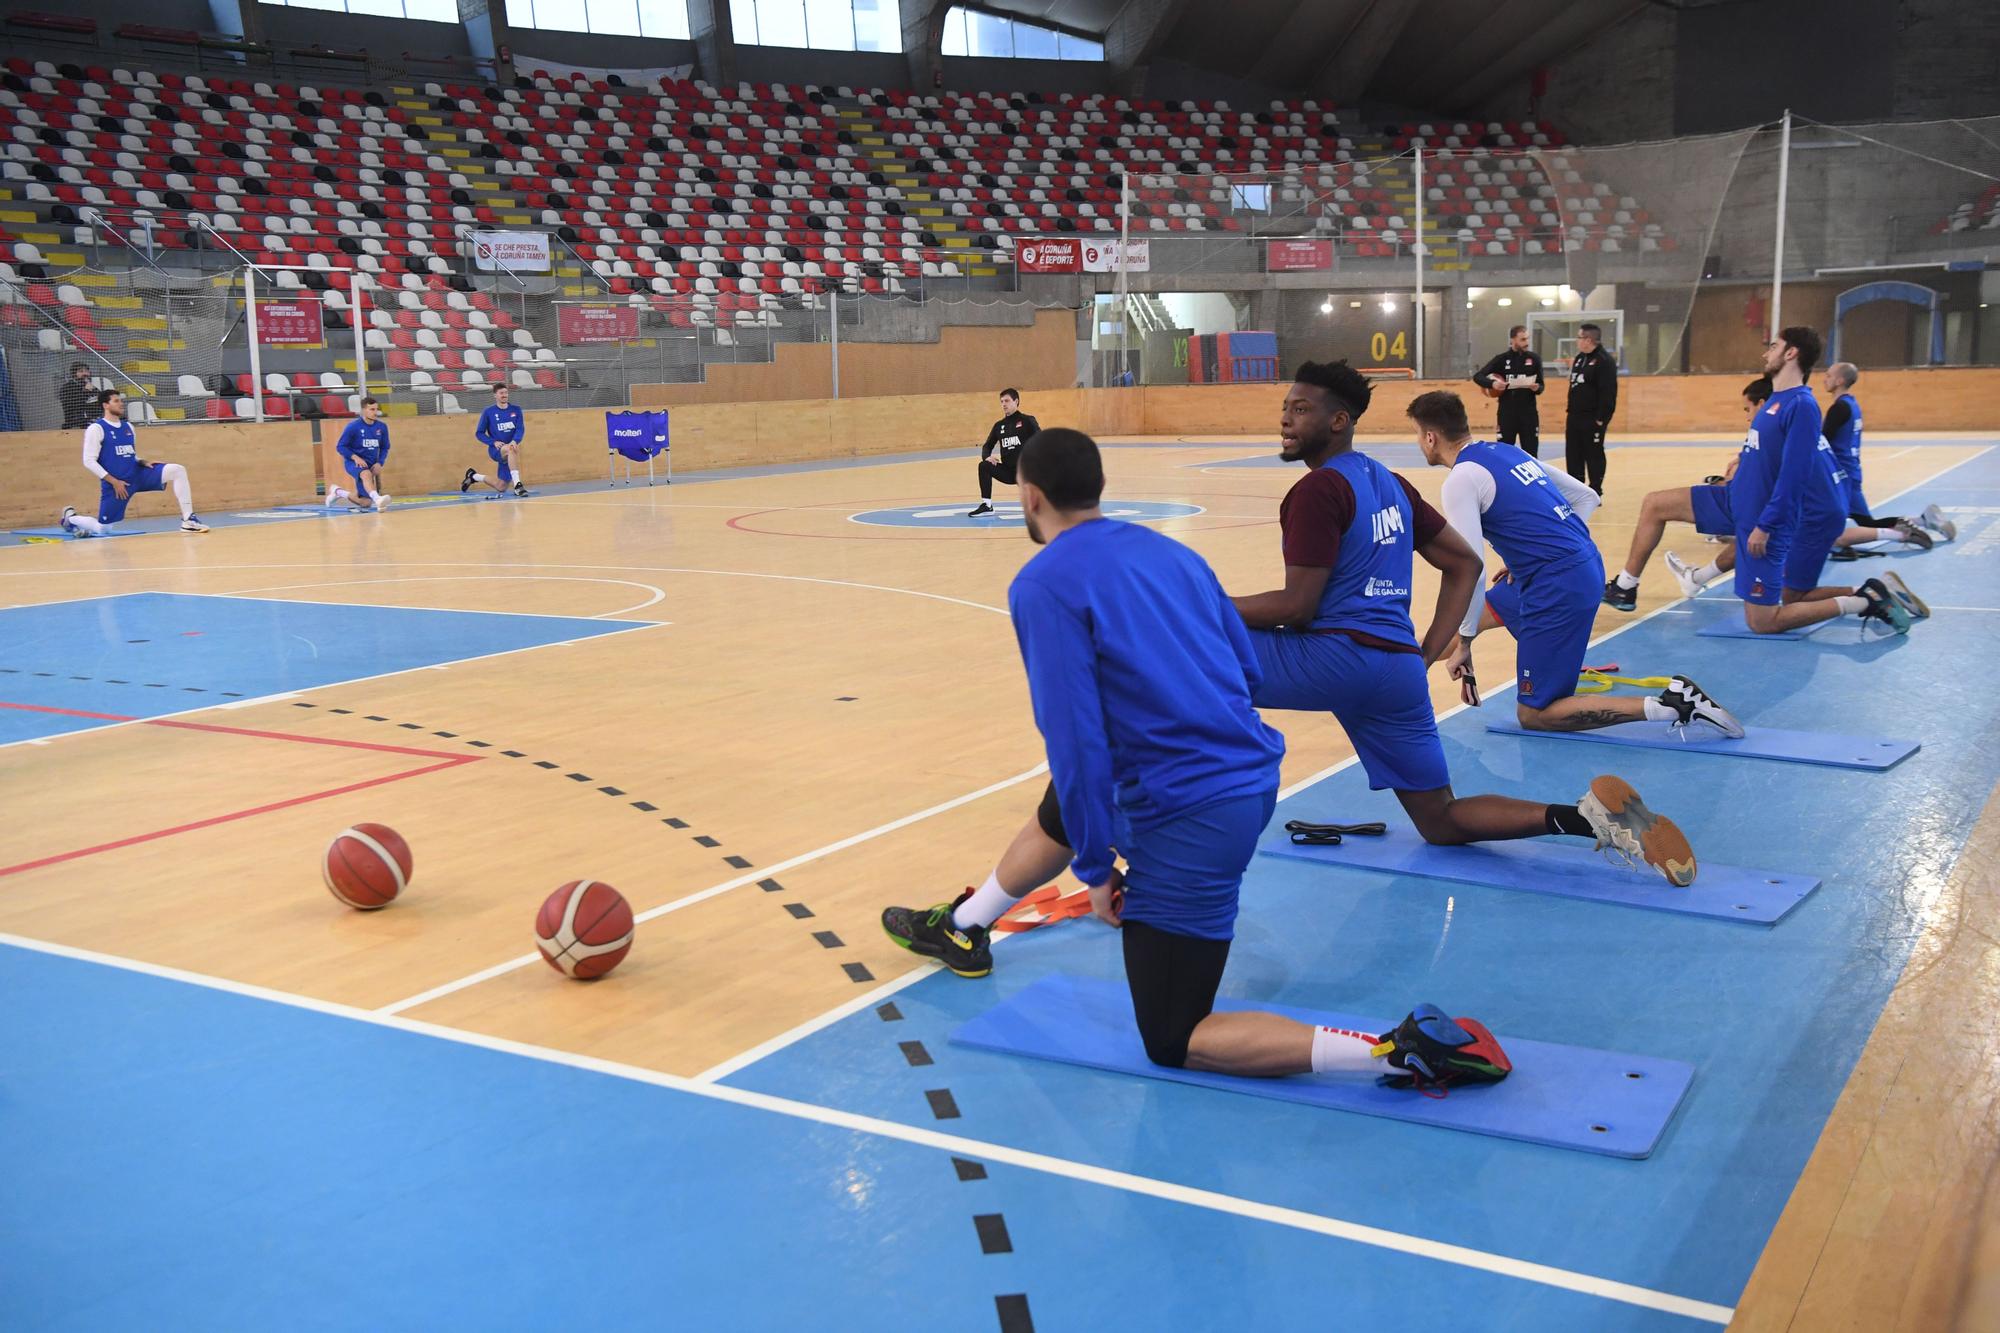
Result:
[[811, 718]]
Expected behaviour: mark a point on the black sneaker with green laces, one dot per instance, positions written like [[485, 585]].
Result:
[[929, 931]]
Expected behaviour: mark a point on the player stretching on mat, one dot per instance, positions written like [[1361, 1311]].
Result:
[[364, 448], [1536, 520], [111, 454], [501, 429], [1014, 429], [1843, 431], [1782, 499], [1139, 672]]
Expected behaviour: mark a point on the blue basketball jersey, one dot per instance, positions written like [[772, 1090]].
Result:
[[366, 444], [1825, 499], [500, 425], [1529, 523], [118, 451], [1369, 588]]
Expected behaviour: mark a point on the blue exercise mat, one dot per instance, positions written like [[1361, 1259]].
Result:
[[1557, 1096], [1797, 747], [1734, 628], [1566, 869]]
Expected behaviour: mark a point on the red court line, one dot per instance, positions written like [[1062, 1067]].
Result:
[[239, 731], [449, 761], [452, 762]]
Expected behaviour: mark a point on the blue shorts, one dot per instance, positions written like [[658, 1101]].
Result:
[[1184, 875], [1810, 548], [1761, 581], [355, 467], [1712, 515], [493, 452], [1381, 699], [110, 509], [1551, 618]]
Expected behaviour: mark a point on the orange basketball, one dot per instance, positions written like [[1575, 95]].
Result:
[[1494, 389], [584, 929], [366, 866]]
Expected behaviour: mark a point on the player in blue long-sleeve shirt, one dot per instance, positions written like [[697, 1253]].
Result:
[[1140, 672], [1773, 495], [501, 429], [364, 449]]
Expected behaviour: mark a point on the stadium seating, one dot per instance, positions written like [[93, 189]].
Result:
[[718, 209]]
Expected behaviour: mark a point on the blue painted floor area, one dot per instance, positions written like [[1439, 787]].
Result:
[[207, 1160], [152, 653], [1772, 1019]]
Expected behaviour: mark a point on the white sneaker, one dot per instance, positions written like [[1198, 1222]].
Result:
[[193, 524], [333, 496], [381, 502], [1683, 574], [68, 513], [1934, 519]]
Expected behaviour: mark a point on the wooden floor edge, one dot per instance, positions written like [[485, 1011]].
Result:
[[1895, 1222]]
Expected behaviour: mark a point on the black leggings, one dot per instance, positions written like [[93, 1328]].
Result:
[[1867, 520], [991, 471], [1173, 980]]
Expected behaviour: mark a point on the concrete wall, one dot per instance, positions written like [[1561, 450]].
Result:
[[1618, 86], [1947, 59]]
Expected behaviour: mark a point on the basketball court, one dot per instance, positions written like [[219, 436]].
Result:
[[765, 705]]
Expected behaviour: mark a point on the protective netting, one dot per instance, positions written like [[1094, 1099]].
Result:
[[1636, 228], [153, 335]]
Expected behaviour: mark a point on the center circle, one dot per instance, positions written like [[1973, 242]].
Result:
[[1007, 513]]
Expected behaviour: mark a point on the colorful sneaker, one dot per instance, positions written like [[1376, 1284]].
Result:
[[68, 513], [1692, 704], [1629, 833], [1432, 1051], [1934, 519], [1884, 607], [1620, 598], [1918, 608], [1683, 574], [929, 931]]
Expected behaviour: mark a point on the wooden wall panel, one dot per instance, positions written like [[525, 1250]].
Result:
[[230, 466]]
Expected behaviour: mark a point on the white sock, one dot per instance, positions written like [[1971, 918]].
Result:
[[1627, 581], [519, 480], [1851, 606], [176, 476], [1708, 573], [1658, 712], [84, 523], [986, 905], [479, 477], [1888, 535], [1339, 1051]]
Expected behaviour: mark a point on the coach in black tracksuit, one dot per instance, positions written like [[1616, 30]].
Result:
[[1593, 397], [1520, 418], [1002, 449]]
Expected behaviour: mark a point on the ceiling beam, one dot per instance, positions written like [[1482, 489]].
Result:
[[1311, 26], [1347, 68], [923, 41], [1546, 44], [1135, 36]]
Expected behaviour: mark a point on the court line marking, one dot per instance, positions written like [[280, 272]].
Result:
[[448, 761], [772, 1045], [728, 885], [632, 628], [1001, 1154], [659, 595]]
